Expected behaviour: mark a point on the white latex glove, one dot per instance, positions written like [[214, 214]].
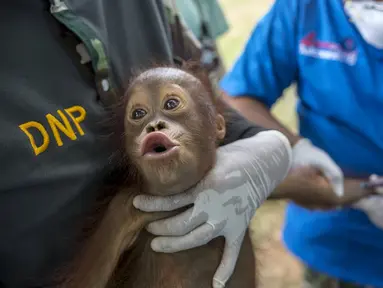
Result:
[[373, 206], [306, 154], [246, 172]]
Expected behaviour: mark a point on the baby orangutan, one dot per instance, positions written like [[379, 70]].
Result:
[[172, 129], [171, 126]]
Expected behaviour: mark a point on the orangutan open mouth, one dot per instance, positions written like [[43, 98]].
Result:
[[158, 144], [159, 148]]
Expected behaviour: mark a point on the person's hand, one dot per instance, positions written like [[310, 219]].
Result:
[[305, 154], [224, 202], [308, 188], [373, 205]]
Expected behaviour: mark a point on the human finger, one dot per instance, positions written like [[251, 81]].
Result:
[[337, 185], [369, 203], [198, 237], [379, 189], [333, 173], [178, 225], [150, 203], [228, 262]]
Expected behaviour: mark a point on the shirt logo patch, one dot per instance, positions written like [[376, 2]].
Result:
[[344, 52], [38, 135]]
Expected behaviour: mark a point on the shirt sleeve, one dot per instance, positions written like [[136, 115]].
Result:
[[268, 63], [238, 127]]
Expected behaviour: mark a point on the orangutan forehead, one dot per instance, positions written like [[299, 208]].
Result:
[[165, 75]]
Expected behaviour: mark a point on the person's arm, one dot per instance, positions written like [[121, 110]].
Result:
[[256, 112], [266, 67], [296, 187], [308, 188]]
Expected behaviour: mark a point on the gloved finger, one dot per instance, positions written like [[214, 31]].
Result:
[[337, 185], [374, 177], [379, 189], [178, 225], [333, 173], [369, 203], [228, 262], [198, 237], [373, 207], [361, 204], [149, 203]]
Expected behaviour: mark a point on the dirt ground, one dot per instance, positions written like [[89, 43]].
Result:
[[276, 267]]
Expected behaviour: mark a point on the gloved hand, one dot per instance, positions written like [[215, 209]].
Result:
[[373, 205], [306, 154], [246, 172]]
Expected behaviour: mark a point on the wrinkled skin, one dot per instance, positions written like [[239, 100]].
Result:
[[193, 124]]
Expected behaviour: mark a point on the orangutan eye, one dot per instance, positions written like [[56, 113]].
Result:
[[171, 104], [138, 114]]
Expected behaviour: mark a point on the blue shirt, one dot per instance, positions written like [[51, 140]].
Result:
[[340, 87]]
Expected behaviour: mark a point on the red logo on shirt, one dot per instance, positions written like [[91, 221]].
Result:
[[342, 52]]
